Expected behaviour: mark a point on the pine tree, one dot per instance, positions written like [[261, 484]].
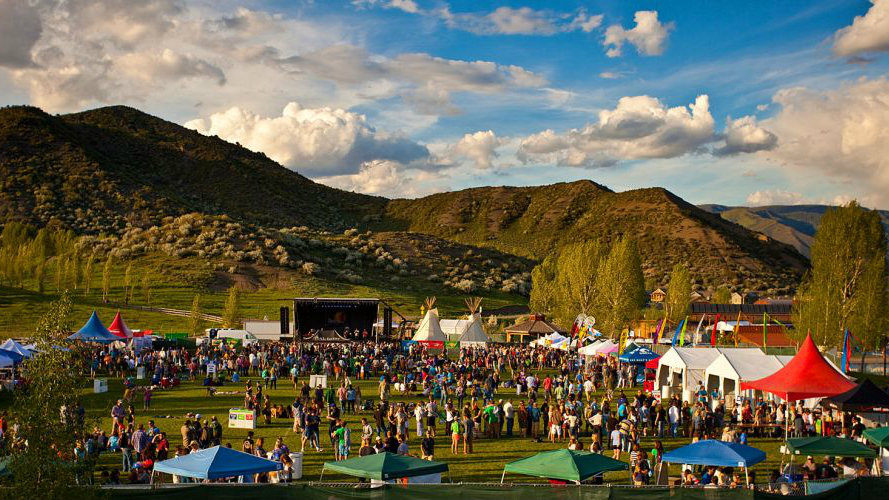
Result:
[[231, 314], [678, 298], [620, 287], [846, 287], [196, 323], [106, 279]]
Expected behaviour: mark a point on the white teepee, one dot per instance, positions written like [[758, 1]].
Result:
[[474, 334], [429, 329]]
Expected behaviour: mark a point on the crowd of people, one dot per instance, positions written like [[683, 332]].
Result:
[[492, 392]]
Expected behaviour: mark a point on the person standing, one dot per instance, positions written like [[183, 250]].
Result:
[[509, 415], [427, 446]]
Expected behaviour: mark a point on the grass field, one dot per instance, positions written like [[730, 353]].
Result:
[[485, 465]]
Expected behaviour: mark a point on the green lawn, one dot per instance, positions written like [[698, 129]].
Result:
[[485, 465]]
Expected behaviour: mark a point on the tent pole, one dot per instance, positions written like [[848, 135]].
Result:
[[747, 476], [503, 476], [322, 474]]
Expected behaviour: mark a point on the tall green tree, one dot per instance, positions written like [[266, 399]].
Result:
[[146, 287], [231, 314], [620, 287], [722, 295], [128, 283], [196, 322], [47, 413], [847, 284], [107, 269], [678, 298], [88, 273], [544, 289], [576, 278]]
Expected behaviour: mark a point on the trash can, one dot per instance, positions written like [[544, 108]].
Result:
[[297, 459]]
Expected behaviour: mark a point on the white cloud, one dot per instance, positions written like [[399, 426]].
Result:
[[744, 135], [775, 197], [167, 65], [867, 33], [843, 133], [20, 26], [649, 36], [638, 127], [316, 142], [386, 178], [480, 147]]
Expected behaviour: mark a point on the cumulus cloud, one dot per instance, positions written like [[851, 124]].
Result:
[[520, 21], [649, 36], [316, 142], [775, 197], [480, 147], [386, 178], [744, 135], [843, 132], [167, 65], [20, 26], [638, 127], [867, 33]]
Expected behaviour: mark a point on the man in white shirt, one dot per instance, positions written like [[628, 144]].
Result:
[[673, 414], [420, 414], [509, 415]]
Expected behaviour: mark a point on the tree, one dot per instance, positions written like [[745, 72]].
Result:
[[196, 323], [544, 291], [678, 294], [231, 314], [847, 284], [106, 278], [722, 295], [146, 287], [60, 273], [620, 287], [88, 273], [128, 283], [48, 413], [576, 279]]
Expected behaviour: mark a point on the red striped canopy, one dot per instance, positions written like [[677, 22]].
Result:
[[807, 375]]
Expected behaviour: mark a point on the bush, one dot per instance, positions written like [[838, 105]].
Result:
[[310, 268], [466, 286]]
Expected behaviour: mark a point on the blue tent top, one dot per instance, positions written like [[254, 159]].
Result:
[[7, 359], [639, 355], [94, 331], [216, 462], [13, 347], [719, 453]]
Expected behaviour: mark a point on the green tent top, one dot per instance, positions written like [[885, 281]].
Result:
[[385, 466], [567, 465], [831, 446], [878, 436]]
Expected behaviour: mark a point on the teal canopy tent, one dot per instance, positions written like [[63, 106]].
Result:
[[565, 465], [216, 462], [94, 331], [385, 466]]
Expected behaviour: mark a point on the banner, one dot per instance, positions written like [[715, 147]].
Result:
[[239, 418], [432, 344]]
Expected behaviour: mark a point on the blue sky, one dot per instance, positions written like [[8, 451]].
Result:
[[726, 102]]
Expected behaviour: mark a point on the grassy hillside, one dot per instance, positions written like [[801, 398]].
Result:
[[534, 221]]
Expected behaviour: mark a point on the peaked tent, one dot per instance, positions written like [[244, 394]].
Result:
[[713, 452], [807, 375], [734, 366], [216, 462], [7, 359], [832, 446], [878, 436], [385, 466], [638, 355], [865, 396], [566, 465], [474, 333], [430, 329], [14, 347], [94, 331], [684, 366], [630, 347], [119, 328]]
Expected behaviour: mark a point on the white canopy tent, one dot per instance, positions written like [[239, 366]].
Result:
[[684, 366], [553, 339], [429, 329], [453, 328], [734, 366]]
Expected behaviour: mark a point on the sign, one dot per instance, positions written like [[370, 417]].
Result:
[[241, 419], [316, 380], [452, 345], [433, 344], [100, 385]]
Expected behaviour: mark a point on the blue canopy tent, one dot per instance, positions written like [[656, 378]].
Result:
[[719, 453], [94, 331], [216, 462], [638, 355], [7, 359], [13, 347]]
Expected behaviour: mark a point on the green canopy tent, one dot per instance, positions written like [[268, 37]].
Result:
[[830, 446], [878, 436], [566, 465], [385, 466]]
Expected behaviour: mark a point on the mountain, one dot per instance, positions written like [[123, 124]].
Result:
[[120, 172], [794, 225], [97, 170]]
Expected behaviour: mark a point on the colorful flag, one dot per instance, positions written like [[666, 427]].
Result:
[[713, 335], [765, 331], [844, 360], [698, 329], [682, 335], [676, 333], [657, 331], [737, 331]]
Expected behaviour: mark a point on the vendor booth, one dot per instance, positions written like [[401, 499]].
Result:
[[683, 368], [718, 453], [389, 467], [94, 331], [734, 366], [215, 463], [879, 437], [564, 465]]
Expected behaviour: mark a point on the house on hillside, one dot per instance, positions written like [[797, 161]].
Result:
[[697, 297], [658, 295]]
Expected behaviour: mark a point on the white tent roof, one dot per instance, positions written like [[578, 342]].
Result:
[[743, 364], [553, 339], [453, 327], [690, 358], [590, 349], [474, 332], [429, 329]]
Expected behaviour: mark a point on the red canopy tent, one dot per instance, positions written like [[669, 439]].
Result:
[[807, 375], [653, 364], [119, 328]]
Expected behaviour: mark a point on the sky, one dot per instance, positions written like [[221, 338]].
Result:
[[737, 103]]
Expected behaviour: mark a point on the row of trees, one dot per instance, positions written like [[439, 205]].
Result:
[[593, 279]]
